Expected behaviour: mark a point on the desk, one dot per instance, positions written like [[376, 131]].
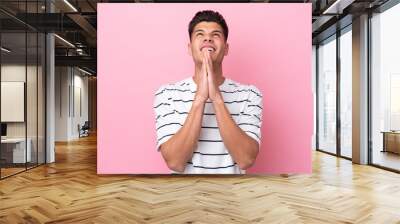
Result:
[[391, 141], [15, 148]]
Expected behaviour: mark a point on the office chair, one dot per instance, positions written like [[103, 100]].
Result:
[[84, 130]]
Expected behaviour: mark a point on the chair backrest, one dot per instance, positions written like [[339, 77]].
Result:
[[86, 125]]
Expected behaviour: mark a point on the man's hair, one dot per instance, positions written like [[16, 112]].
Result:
[[208, 16]]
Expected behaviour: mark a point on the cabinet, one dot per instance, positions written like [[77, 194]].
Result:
[[391, 142]]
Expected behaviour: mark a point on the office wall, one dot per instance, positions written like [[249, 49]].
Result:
[[15, 72], [81, 94], [142, 46], [62, 80], [71, 102]]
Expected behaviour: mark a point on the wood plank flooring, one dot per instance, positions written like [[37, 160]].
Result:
[[70, 191]]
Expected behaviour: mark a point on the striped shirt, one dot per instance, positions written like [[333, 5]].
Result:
[[172, 104]]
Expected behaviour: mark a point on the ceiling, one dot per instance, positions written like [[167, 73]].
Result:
[[76, 22]]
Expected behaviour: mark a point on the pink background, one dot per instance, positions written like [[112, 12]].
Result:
[[142, 46]]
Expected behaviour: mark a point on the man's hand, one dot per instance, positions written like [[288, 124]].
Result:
[[202, 93], [213, 89]]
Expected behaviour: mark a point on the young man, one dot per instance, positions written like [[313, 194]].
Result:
[[208, 123]]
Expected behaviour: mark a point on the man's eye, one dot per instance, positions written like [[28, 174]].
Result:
[[216, 35], [199, 34]]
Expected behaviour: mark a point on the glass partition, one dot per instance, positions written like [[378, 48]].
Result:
[[22, 63], [14, 153]]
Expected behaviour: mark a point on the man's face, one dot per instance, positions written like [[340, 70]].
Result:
[[208, 36]]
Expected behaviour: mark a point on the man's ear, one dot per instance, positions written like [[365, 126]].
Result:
[[226, 49], [190, 49]]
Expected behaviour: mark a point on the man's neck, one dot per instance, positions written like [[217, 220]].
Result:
[[217, 73]]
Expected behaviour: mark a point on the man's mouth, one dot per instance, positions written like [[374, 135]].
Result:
[[208, 48]]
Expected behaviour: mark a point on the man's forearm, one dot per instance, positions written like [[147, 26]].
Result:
[[242, 147], [179, 148]]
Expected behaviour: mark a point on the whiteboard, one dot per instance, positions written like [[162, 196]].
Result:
[[12, 101]]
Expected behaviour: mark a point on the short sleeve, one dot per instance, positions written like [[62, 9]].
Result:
[[165, 116], [251, 118]]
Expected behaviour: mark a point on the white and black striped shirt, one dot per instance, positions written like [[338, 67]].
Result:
[[172, 104]]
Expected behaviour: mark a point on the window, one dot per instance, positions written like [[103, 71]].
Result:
[[346, 75], [327, 95], [385, 88]]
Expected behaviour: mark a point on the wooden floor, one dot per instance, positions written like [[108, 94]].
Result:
[[387, 159], [5, 172], [69, 191]]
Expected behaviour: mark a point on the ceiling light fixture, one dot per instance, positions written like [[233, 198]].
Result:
[[84, 71], [5, 50], [70, 5], [64, 40], [337, 7]]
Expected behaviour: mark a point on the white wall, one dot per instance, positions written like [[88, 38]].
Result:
[[62, 81], [70, 83], [81, 100]]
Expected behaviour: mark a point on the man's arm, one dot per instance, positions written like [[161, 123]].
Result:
[[178, 150], [243, 148]]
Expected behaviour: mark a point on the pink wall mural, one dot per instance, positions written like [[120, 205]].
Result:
[[142, 46]]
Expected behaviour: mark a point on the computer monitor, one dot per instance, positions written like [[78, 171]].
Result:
[[3, 129]]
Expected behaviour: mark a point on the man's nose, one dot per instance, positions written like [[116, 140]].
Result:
[[207, 38]]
